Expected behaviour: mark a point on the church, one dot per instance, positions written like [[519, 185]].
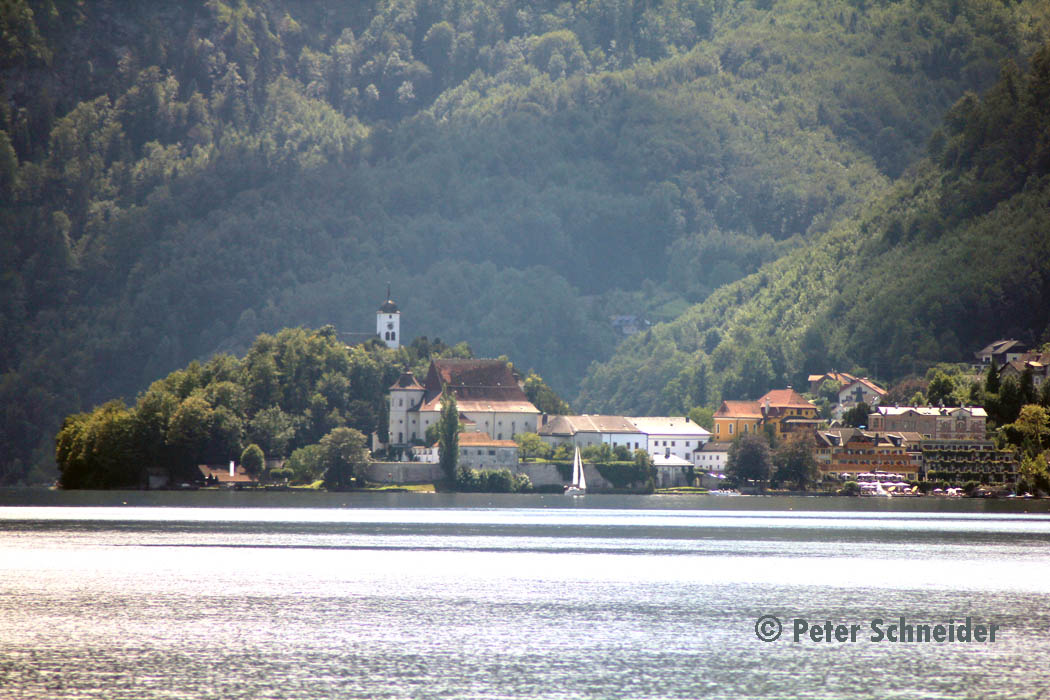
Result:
[[489, 395]]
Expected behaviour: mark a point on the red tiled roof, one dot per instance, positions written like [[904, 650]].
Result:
[[785, 398], [479, 386], [870, 384], [483, 440], [739, 409]]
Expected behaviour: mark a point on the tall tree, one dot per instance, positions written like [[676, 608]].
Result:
[[749, 459], [795, 461], [448, 434]]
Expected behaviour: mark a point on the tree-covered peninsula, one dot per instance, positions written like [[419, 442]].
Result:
[[301, 397]]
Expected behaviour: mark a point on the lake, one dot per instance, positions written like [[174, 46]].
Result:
[[387, 595]]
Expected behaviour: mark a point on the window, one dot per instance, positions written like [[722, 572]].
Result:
[[730, 428], [500, 436], [393, 335], [400, 438], [492, 453], [672, 443], [390, 326], [400, 402]]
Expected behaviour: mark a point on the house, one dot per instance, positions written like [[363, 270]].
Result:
[[659, 436], [1034, 362], [488, 395], [672, 470], [861, 390], [479, 451], [816, 381], [712, 457], [670, 435], [784, 409], [958, 423], [851, 390], [581, 431], [1002, 351]]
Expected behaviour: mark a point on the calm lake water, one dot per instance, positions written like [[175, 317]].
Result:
[[289, 595]]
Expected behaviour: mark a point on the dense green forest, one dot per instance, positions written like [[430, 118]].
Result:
[[955, 255], [177, 179]]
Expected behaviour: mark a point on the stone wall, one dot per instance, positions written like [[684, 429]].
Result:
[[403, 473]]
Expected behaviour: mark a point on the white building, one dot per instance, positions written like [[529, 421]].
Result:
[[488, 395], [670, 435], [581, 431], [712, 457], [479, 451]]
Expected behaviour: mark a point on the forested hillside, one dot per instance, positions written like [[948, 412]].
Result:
[[956, 255], [176, 179]]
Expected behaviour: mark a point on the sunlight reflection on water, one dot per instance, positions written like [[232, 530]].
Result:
[[395, 603]]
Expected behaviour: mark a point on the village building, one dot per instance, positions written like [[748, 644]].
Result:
[[479, 451], [1035, 363], [785, 410], [581, 431], [712, 457], [660, 436], [942, 423], [851, 392], [851, 451], [667, 436], [488, 394], [1002, 351], [958, 461], [672, 470]]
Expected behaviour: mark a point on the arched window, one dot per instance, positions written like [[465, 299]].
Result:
[[393, 335]]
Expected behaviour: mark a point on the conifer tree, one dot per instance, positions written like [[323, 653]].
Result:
[[448, 433]]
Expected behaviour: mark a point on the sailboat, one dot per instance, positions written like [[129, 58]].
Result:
[[578, 487]]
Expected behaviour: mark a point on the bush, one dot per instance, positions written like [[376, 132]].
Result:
[[850, 488], [491, 481]]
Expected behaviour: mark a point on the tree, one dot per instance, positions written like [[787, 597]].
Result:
[[532, 445], [1044, 394], [543, 397], [306, 464], [941, 390], [448, 434], [1030, 432], [253, 460], [749, 460], [991, 378], [344, 453], [857, 416], [795, 461], [703, 416], [598, 454]]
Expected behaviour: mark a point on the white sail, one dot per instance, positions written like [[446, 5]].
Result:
[[579, 482]]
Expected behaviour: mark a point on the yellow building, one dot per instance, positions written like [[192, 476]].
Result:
[[784, 409]]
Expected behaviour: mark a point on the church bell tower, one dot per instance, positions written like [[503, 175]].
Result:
[[388, 322]]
